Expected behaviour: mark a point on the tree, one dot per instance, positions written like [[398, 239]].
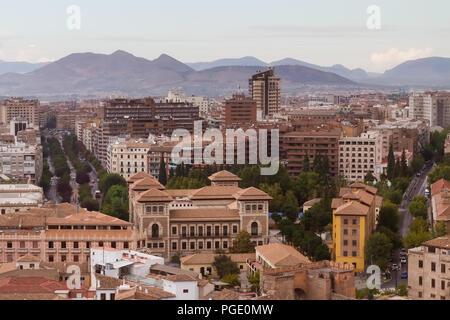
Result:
[[440, 229], [306, 164], [389, 216], [394, 237], [242, 243], [369, 178], [162, 171], [254, 280], [395, 196], [225, 266], [378, 250], [111, 179], [418, 233], [115, 202], [90, 204], [418, 209], [417, 163], [391, 163], [232, 280]]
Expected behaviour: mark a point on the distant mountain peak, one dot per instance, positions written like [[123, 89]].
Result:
[[121, 53]]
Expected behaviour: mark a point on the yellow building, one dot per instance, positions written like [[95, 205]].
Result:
[[354, 220]]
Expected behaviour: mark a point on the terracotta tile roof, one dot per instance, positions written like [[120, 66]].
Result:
[[180, 193], [87, 218], [442, 242], [311, 202], [442, 202], [214, 192], [152, 293], [224, 175], [252, 194], [208, 258], [205, 214], [29, 258], [162, 268], [281, 255], [30, 285], [51, 274], [7, 267], [181, 278], [154, 195], [337, 202], [107, 282], [139, 176], [439, 185], [30, 296], [226, 294], [146, 184], [352, 208]]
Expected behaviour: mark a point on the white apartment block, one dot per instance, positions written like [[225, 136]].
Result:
[[359, 155], [433, 107], [127, 157], [21, 161], [178, 96]]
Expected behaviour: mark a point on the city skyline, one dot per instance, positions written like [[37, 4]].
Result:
[[324, 34]]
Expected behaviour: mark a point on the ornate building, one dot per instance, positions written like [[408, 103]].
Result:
[[197, 220]]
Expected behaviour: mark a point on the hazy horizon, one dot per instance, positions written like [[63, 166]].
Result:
[[320, 32]]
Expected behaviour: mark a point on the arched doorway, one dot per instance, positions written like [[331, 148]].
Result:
[[155, 231], [299, 294], [254, 228]]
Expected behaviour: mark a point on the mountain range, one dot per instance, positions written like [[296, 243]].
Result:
[[121, 73], [19, 67]]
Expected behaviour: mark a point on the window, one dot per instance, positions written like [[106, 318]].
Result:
[[345, 231], [235, 229], [345, 221], [217, 245], [50, 245], [442, 268], [174, 230], [75, 245], [225, 244], [345, 242], [345, 254], [35, 245], [22, 244], [354, 232], [433, 266], [420, 294], [225, 230], [247, 207], [420, 280], [208, 231], [113, 244], [260, 207], [185, 291], [183, 245], [174, 246], [354, 243], [75, 258], [200, 231], [254, 228], [433, 283], [183, 231], [50, 258], [200, 245], [63, 258], [354, 254], [443, 285], [192, 245], [155, 231], [208, 245], [100, 244], [192, 231], [420, 263], [354, 221], [216, 230], [125, 245]]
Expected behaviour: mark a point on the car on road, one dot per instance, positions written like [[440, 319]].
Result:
[[403, 260], [394, 267], [403, 252], [418, 174], [404, 275]]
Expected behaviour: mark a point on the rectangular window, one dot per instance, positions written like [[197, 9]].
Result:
[[345, 253], [208, 245], [183, 231], [235, 229], [192, 245], [443, 285], [200, 231], [183, 245], [50, 245], [125, 245], [420, 263], [442, 268], [354, 242], [185, 291], [433, 283], [345, 231], [208, 231], [420, 280], [345, 221], [174, 230], [216, 230], [354, 232], [75, 245], [217, 245], [75, 258], [345, 242], [433, 266], [225, 230], [200, 245], [225, 244], [174, 246], [353, 253], [192, 231]]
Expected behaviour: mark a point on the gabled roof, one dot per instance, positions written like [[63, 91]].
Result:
[[252, 194], [138, 176], [439, 185], [29, 258], [352, 208], [154, 195], [214, 192], [441, 242], [337, 202], [281, 255], [208, 258], [224, 175], [146, 184], [311, 202]]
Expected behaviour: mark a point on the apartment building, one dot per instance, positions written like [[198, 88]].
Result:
[[359, 155], [431, 106], [429, 270], [18, 107], [20, 197], [354, 220], [240, 110], [63, 233], [197, 220], [310, 142], [127, 157], [22, 162], [265, 89]]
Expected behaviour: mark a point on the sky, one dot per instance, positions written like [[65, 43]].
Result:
[[323, 32]]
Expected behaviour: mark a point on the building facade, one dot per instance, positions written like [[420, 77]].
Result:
[[265, 89]]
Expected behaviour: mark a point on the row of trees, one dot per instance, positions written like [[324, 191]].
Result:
[[52, 148]]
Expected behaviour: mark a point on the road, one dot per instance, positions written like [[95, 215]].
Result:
[[416, 187], [52, 193]]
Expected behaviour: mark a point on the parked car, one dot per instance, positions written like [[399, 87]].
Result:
[[402, 252], [404, 275], [418, 174], [403, 260], [394, 267]]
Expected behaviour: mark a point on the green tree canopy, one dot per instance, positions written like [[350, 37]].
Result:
[[225, 266], [378, 250], [389, 216], [242, 243]]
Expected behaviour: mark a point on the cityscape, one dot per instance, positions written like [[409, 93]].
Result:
[[130, 178]]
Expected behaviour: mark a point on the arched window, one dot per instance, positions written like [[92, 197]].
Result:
[[155, 231], [254, 228]]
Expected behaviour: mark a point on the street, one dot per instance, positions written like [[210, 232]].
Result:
[[417, 187]]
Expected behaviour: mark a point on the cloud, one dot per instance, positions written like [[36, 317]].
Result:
[[395, 56]]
